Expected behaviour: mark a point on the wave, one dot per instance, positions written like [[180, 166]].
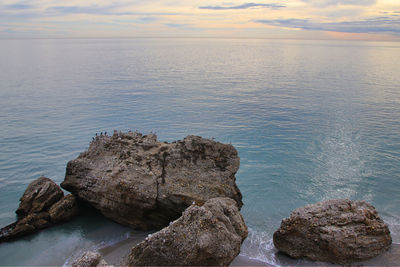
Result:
[[259, 246]]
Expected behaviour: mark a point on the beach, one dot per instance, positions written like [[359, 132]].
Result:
[[115, 255]]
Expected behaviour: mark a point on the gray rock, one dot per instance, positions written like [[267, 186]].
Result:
[[338, 231], [90, 259], [42, 205], [64, 210], [205, 235], [138, 181], [39, 196]]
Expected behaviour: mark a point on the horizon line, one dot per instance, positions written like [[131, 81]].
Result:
[[195, 37]]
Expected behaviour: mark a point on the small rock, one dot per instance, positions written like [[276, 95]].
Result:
[[39, 196], [64, 210], [90, 259], [338, 231], [42, 205], [205, 235]]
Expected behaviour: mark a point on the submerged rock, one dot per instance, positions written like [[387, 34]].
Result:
[[90, 259], [42, 205], [339, 231], [205, 235], [138, 181]]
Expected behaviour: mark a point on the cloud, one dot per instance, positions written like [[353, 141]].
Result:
[[145, 20], [162, 17], [374, 25], [19, 6], [94, 9], [341, 2], [24, 13], [243, 6], [342, 12], [8, 31], [140, 20], [102, 10], [176, 25], [5, 16], [186, 27]]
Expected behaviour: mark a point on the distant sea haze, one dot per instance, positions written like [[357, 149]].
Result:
[[311, 120]]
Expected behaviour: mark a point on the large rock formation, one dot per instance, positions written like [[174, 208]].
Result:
[[42, 205], [205, 235], [339, 231], [141, 182]]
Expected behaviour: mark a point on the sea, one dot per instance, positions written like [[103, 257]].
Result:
[[311, 119]]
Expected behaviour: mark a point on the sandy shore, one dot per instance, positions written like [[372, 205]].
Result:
[[116, 255]]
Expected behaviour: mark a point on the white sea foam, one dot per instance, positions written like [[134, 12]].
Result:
[[393, 222], [259, 246]]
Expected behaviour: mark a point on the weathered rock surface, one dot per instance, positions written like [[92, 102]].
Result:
[[138, 181], [64, 210], [339, 231], [90, 259], [205, 235], [42, 205], [39, 196]]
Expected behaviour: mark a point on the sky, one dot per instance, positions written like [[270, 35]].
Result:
[[294, 19]]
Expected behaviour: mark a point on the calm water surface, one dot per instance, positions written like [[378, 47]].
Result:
[[312, 120]]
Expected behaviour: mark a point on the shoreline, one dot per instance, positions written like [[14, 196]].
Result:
[[116, 254]]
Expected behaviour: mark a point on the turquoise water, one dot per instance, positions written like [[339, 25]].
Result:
[[312, 120]]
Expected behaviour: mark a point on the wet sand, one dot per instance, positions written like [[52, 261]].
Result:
[[116, 255], [245, 261], [389, 258]]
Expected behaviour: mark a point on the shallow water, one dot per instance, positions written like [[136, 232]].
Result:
[[312, 120]]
